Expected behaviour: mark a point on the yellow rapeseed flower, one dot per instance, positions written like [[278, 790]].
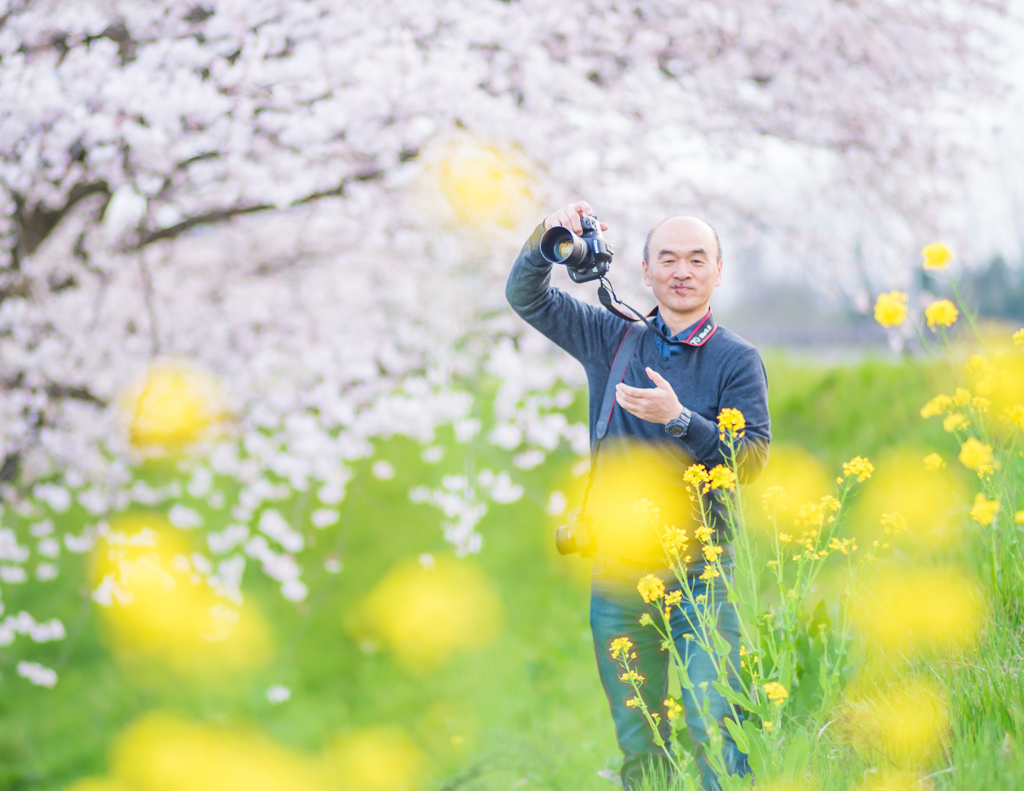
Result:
[[722, 477], [620, 647], [1018, 337], [961, 397], [955, 420], [776, 692], [1015, 415], [973, 454], [891, 308], [942, 312], [709, 574], [980, 404], [936, 255], [858, 466], [704, 533], [894, 523], [937, 406], [651, 588], [696, 476], [934, 462], [984, 510], [673, 708], [711, 552], [634, 702], [773, 498], [731, 421], [1018, 518]]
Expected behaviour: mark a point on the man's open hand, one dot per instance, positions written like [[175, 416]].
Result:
[[656, 404], [569, 217]]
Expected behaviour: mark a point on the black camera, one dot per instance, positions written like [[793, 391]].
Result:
[[576, 535], [587, 257]]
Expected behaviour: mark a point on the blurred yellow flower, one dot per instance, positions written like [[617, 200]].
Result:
[[858, 466], [157, 611], [1015, 415], [776, 692], [942, 312], [955, 420], [984, 510], [1018, 337], [673, 708], [904, 609], [934, 462], [973, 454], [980, 404], [651, 588], [961, 397], [424, 615], [891, 308], [906, 723], [483, 184], [731, 421], [1018, 518], [773, 499], [937, 406], [172, 405], [376, 759], [165, 753], [936, 255]]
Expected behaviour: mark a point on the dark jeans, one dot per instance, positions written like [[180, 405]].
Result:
[[615, 610]]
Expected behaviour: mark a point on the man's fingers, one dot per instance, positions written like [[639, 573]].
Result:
[[604, 226], [634, 392], [583, 207]]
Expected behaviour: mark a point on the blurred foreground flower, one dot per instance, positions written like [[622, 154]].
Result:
[[424, 614], [158, 611], [942, 312], [936, 255], [376, 759], [891, 308], [973, 453], [483, 184], [906, 610], [161, 752], [171, 406], [905, 724]]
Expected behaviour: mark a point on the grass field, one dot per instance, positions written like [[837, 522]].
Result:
[[525, 711]]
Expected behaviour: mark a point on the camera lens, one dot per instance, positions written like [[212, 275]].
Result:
[[564, 541], [561, 246]]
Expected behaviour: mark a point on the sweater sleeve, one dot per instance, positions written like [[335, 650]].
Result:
[[746, 389], [587, 332]]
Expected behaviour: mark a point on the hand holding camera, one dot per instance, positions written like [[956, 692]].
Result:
[[573, 238]]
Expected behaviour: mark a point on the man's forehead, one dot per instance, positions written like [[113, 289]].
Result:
[[682, 234]]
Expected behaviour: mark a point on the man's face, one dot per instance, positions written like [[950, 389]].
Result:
[[684, 267]]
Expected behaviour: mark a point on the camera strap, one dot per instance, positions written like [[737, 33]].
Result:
[[700, 334], [627, 348]]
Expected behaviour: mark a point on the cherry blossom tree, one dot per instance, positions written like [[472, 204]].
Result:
[[318, 202]]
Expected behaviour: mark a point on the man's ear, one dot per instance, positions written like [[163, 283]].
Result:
[[647, 277], [718, 277]]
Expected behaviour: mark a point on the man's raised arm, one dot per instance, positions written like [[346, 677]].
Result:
[[583, 330]]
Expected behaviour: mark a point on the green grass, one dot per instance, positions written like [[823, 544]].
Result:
[[526, 711]]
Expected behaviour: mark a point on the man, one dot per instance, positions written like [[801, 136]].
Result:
[[669, 400]]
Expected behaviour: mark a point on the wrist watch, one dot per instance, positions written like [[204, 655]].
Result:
[[677, 426]]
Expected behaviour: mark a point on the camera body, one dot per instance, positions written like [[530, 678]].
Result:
[[576, 535], [587, 257]]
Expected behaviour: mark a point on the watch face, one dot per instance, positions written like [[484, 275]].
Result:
[[674, 429]]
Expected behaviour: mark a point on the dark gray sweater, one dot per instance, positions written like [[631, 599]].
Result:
[[725, 372]]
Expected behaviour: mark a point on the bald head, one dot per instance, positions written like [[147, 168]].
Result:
[[682, 221]]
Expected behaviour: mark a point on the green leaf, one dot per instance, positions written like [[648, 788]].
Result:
[[722, 648], [737, 734], [734, 697], [759, 755]]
